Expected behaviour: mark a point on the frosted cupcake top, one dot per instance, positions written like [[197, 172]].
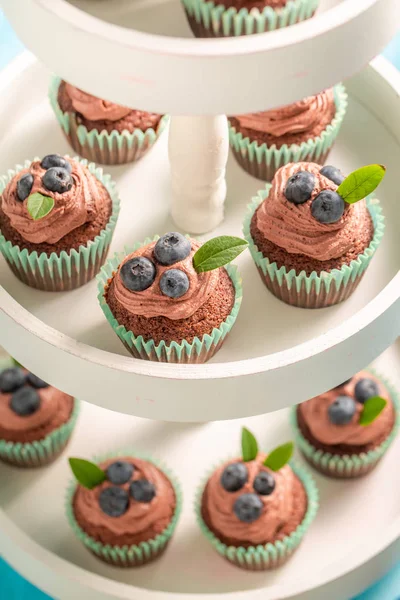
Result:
[[334, 417], [50, 198], [304, 214], [93, 108], [299, 117]]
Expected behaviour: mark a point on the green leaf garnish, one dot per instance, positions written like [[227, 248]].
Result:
[[360, 183], [39, 206], [249, 445], [218, 252], [87, 473], [279, 457], [372, 409]]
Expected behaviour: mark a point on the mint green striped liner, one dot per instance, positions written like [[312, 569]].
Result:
[[316, 290], [102, 147], [40, 452], [198, 351], [271, 555], [263, 161], [347, 466], [207, 19], [68, 270], [127, 556]]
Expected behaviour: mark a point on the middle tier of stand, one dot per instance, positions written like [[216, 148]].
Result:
[[276, 355]]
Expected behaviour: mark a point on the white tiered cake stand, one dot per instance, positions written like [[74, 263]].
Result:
[[276, 355]]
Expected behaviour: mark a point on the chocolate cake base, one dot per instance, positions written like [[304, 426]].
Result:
[[209, 316]]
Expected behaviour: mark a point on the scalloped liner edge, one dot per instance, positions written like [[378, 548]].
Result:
[[135, 554], [272, 554], [149, 347]]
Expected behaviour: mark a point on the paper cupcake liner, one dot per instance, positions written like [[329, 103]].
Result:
[[198, 351], [40, 452], [263, 161], [127, 556], [316, 290], [207, 19], [68, 270], [102, 147], [264, 556], [347, 466]]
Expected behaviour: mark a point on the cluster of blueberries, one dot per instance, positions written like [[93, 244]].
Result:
[[342, 410], [56, 179], [114, 500], [328, 206], [247, 507], [24, 400], [137, 274]]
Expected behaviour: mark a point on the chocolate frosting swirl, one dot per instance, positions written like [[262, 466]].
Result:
[[277, 507], [141, 522], [315, 415], [71, 209], [299, 117], [292, 226], [152, 302], [55, 409], [93, 108]]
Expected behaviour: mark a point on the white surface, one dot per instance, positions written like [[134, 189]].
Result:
[[153, 70], [273, 347], [198, 151], [357, 520]]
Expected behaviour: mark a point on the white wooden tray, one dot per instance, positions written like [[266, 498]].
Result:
[[276, 355], [354, 540], [141, 53]]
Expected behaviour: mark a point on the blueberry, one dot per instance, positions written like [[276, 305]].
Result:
[[24, 186], [171, 248], [342, 410], [57, 179], [25, 401], [248, 508], [56, 160], [137, 274], [333, 174], [114, 501], [11, 379], [365, 388], [174, 283], [299, 187], [119, 472], [35, 381], [264, 483], [234, 477], [327, 207], [142, 490]]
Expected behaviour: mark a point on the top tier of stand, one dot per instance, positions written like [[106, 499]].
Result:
[[158, 66]]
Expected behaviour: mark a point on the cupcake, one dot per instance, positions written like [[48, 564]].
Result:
[[226, 18], [306, 130], [101, 131], [255, 510], [124, 508], [57, 218], [172, 300], [346, 431], [36, 419], [311, 233]]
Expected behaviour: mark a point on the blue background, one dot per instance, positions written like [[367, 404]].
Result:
[[14, 587]]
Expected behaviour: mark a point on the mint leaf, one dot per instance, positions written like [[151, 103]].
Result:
[[218, 252], [372, 409], [87, 473], [249, 445], [39, 206], [279, 457], [360, 183]]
